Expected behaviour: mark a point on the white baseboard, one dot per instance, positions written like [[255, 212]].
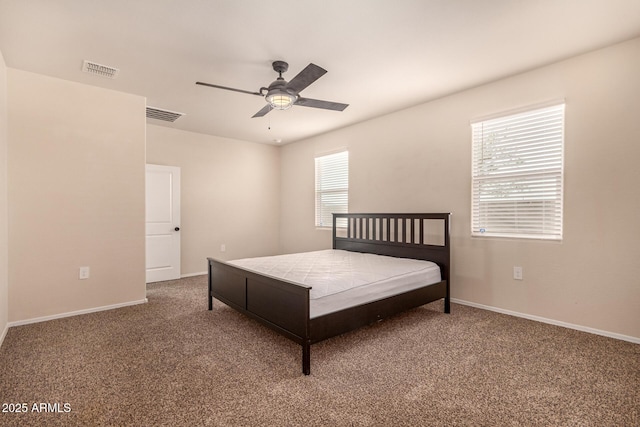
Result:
[[634, 340], [4, 334], [75, 313], [204, 273]]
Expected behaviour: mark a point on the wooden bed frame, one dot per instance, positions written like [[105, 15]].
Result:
[[284, 306]]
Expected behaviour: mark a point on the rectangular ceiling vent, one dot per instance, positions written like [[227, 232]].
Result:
[[164, 115], [100, 70]]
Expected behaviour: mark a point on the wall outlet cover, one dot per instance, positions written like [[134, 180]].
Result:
[[517, 273]]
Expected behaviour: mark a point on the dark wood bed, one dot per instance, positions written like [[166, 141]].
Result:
[[284, 306]]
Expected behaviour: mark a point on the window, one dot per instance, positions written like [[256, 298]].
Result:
[[332, 187], [517, 175]]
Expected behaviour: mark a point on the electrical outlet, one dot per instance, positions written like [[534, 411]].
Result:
[[84, 273], [223, 248], [517, 273]]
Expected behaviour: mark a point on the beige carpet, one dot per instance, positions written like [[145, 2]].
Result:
[[171, 362]]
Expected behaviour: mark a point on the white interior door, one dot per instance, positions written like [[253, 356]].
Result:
[[162, 197]]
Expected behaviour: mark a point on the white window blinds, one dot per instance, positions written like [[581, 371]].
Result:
[[332, 187], [517, 168]]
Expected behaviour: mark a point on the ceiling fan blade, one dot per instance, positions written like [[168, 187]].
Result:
[[305, 77], [229, 88], [262, 112], [316, 103]]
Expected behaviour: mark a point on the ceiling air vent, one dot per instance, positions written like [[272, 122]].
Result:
[[164, 115], [100, 70]]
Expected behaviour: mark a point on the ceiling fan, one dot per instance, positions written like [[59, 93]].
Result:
[[281, 95]]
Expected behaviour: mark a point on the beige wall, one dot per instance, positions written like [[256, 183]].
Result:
[[419, 160], [76, 196], [229, 194], [4, 243]]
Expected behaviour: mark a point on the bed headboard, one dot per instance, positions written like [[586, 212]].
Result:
[[422, 236]]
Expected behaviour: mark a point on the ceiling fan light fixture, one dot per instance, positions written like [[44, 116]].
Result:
[[280, 100]]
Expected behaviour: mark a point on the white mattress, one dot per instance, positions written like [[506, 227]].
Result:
[[341, 279]]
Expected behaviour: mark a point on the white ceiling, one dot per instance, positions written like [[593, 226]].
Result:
[[381, 55]]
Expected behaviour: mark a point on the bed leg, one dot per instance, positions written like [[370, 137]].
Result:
[[209, 291], [447, 305], [306, 358]]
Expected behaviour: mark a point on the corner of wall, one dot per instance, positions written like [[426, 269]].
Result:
[[4, 273]]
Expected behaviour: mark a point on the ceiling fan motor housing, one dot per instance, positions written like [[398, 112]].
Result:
[[278, 95]]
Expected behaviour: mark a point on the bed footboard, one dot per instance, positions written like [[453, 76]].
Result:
[[280, 305]]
